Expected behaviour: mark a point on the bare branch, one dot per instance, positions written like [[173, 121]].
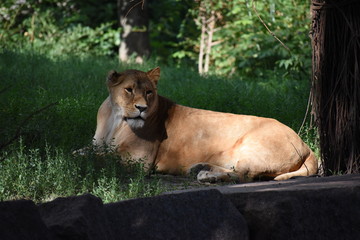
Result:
[[306, 114], [4, 89], [267, 28], [217, 42], [24, 122], [142, 2]]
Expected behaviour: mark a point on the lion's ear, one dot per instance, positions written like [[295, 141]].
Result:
[[154, 75], [112, 78]]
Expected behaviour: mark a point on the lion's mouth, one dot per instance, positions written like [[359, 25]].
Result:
[[135, 118], [136, 122]]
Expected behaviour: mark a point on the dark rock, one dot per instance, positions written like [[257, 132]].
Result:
[[80, 217], [309, 208], [20, 220], [193, 215]]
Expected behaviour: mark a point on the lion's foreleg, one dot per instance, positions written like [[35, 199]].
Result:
[[211, 173]]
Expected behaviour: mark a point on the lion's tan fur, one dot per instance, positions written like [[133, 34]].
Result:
[[176, 139]]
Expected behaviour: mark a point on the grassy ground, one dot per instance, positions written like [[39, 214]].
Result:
[[39, 165]]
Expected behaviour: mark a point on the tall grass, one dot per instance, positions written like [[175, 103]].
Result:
[[41, 167], [42, 175]]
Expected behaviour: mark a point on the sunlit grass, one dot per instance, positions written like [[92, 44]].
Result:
[[42, 175]]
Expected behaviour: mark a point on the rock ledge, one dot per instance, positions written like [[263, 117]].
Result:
[[304, 208]]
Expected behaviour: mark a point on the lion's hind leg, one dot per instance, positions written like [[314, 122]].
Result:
[[308, 168], [209, 173]]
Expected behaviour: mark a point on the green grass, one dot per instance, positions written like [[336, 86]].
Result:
[[42, 175], [40, 165]]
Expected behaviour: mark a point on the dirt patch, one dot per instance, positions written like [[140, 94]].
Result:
[[174, 183]]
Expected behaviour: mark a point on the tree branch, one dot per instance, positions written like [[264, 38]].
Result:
[[23, 123], [217, 42], [4, 89], [142, 2], [267, 28]]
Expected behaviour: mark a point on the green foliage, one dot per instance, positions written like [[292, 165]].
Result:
[[79, 40], [245, 46], [60, 27], [172, 25], [310, 136]]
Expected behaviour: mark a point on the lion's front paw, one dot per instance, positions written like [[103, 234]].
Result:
[[196, 168], [206, 177]]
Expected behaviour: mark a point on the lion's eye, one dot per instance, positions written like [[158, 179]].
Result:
[[148, 92], [129, 90]]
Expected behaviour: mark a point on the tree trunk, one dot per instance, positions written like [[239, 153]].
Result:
[[209, 44], [134, 22], [202, 44], [336, 83], [207, 22]]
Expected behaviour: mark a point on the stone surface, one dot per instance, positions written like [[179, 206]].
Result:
[[304, 208], [77, 218], [21, 220], [193, 215], [324, 214]]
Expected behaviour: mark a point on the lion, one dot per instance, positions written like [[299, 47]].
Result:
[[179, 140]]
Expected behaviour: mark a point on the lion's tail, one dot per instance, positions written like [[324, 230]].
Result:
[[309, 167]]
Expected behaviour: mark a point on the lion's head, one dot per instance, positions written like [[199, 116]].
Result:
[[133, 94]]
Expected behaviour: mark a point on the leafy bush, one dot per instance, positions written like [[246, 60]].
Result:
[[81, 41], [39, 26]]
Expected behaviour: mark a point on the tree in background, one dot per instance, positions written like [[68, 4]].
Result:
[[206, 20], [336, 83], [134, 23], [231, 38]]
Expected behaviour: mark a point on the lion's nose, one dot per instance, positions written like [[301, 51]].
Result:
[[141, 107]]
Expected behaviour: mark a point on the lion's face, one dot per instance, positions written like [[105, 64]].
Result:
[[133, 94]]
